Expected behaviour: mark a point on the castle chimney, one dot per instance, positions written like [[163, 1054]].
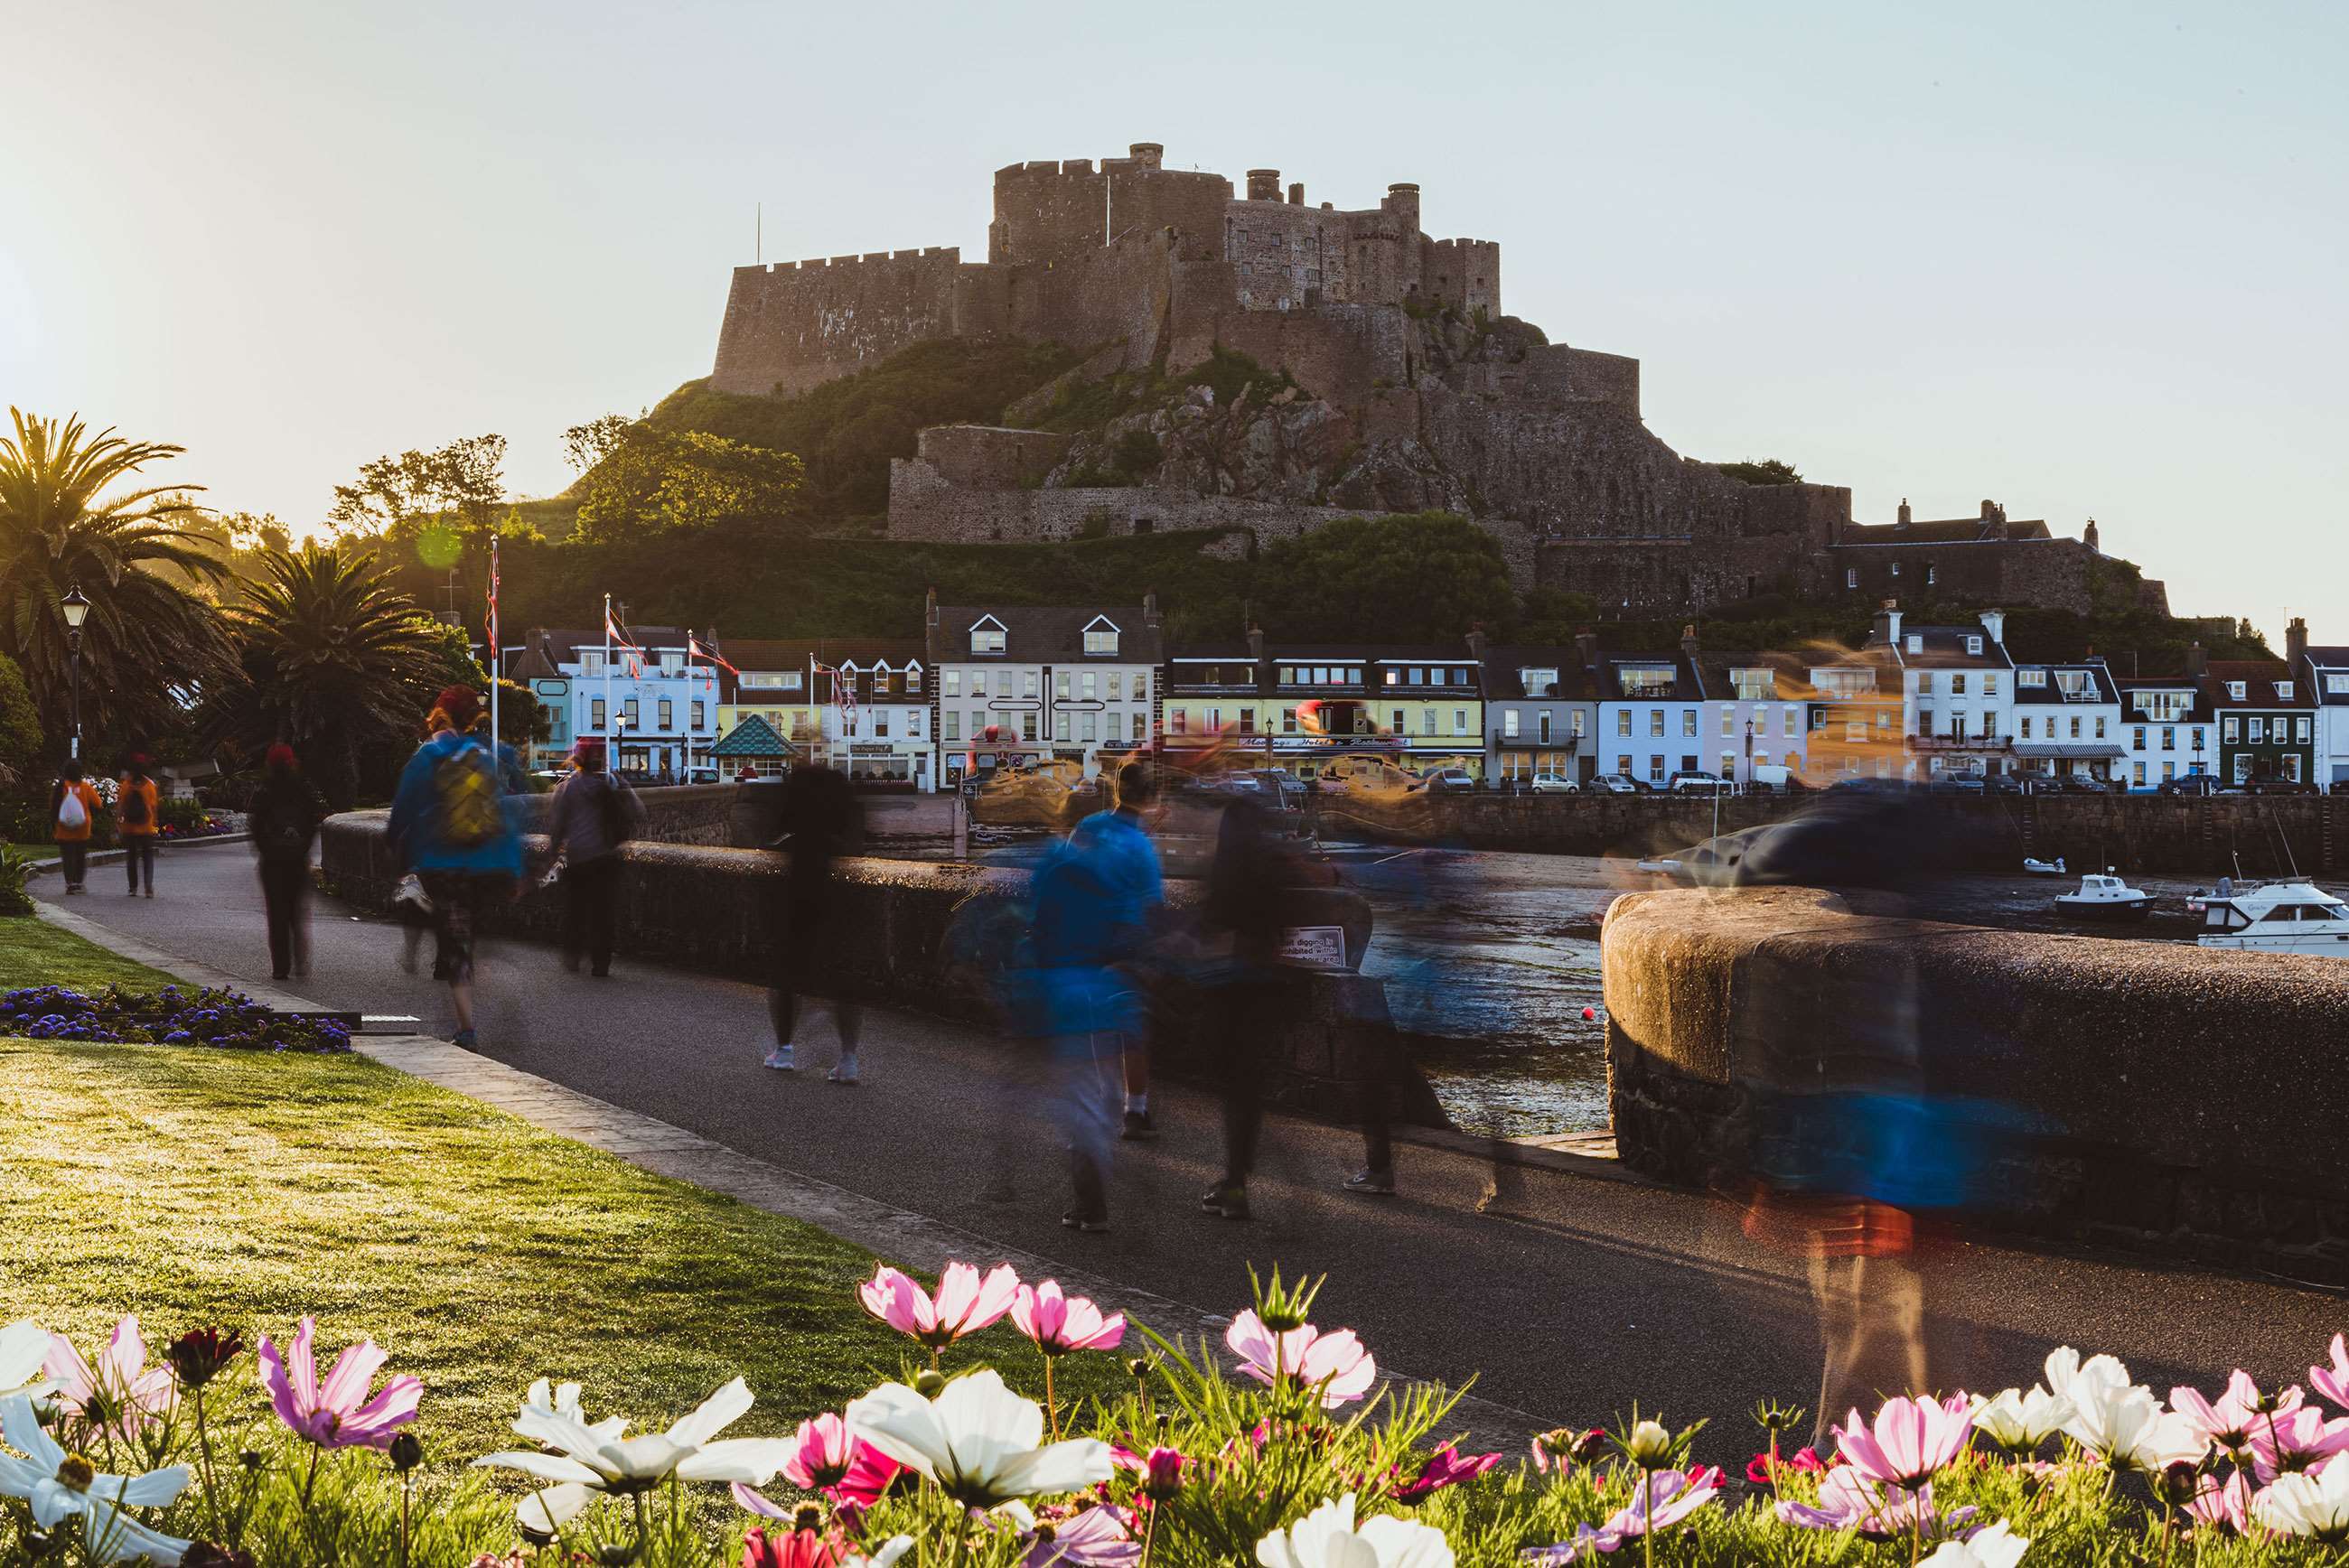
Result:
[[2088, 537], [1264, 185], [1906, 519], [1403, 200], [1296, 192], [2198, 661], [1887, 624], [1990, 512], [1478, 643], [2295, 643], [1994, 623], [1586, 646], [1147, 154], [1688, 641]]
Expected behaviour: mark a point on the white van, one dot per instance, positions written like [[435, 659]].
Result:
[[1772, 779]]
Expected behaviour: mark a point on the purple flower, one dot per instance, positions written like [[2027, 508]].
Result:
[[338, 1414]]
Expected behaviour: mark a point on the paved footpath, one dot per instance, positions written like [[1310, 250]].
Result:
[[1567, 1294]]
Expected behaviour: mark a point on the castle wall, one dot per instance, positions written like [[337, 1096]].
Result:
[[799, 323], [1336, 352], [1465, 272], [1555, 374], [989, 456], [1048, 212], [2051, 573]]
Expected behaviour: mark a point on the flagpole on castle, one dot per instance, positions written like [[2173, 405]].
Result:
[[691, 642]]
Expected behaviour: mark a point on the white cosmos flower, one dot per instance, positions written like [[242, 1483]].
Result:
[[2015, 1419], [592, 1458], [1995, 1547], [1326, 1538], [2124, 1425], [2066, 1370], [2302, 1504], [24, 1350], [56, 1484], [977, 1439]]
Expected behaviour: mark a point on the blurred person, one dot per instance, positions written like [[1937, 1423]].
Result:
[[136, 804], [594, 814], [73, 816], [1119, 839], [820, 824], [449, 826], [1093, 895], [283, 816]]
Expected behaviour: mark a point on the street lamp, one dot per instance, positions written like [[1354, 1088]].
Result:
[[77, 611]]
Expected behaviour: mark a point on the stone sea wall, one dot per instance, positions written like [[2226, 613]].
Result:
[[2140, 1095]]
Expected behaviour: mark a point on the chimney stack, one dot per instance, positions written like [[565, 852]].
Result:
[[1586, 645], [1255, 643], [2198, 661], [1994, 623], [1887, 624], [2295, 643], [1297, 193], [930, 610], [1150, 608], [1688, 641], [1478, 643], [2088, 537], [1905, 517]]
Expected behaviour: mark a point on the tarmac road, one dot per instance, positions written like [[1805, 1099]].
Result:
[[1569, 1295]]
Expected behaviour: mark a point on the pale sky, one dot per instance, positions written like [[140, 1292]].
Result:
[[2086, 259]]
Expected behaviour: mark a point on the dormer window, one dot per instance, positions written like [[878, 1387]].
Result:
[[1916, 643], [2336, 685], [1973, 643], [1100, 637], [2235, 690], [2284, 691], [1538, 683], [986, 637]]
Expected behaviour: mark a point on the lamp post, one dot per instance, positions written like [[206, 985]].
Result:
[[77, 611]]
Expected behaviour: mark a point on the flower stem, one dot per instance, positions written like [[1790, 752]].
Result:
[[204, 1466], [1648, 1522], [1052, 1405], [406, 1483]]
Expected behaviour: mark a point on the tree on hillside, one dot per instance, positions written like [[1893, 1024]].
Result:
[[1767, 472], [652, 481], [464, 481], [330, 658], [1421, 578], [584, 446], [150, 641]]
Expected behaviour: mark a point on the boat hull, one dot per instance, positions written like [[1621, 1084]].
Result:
[[2105, 911], [2326, 946]]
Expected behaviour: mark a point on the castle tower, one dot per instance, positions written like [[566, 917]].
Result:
[[1264, 185], [1403, 200], [2088, 537]]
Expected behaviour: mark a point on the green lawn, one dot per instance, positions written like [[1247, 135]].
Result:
[[197, 1187], [33, 953]]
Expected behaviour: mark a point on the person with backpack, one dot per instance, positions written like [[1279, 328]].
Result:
[[451, 827], [283, 816], [73, 813], [592, 814], [135, 803]]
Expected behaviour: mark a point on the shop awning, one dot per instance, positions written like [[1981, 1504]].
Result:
[[2070, 750]]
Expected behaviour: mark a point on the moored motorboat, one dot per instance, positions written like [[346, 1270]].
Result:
[[2104, 898], [2290, 916]]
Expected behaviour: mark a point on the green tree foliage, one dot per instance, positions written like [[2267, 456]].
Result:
[[149, 641], [464, 482], [847, 430], [332, 659], [1422, 578], [20, 727], [1766, 471], [522, 721], [652, 481]]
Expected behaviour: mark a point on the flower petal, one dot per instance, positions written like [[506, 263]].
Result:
[[717, 1412]]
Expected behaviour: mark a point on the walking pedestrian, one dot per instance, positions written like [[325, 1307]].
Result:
[[1094, 895], [1249, 997], [283, 816], [1120, 839], [73, 813], [820, 824], [136, 800], [449, 826], [592, 814]]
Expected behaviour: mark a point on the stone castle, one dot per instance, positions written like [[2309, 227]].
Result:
[[1407, 389]]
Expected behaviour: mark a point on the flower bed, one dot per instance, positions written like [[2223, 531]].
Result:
[[171, 1015], [1304, 1460]]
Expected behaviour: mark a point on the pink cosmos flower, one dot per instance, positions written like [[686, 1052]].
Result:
[[786, 1549], [1100, 1537], [2223, 1510], [1760, 1470], [1849, 1499], [1163, 1472], [963, 1303], [1445, 1467], [1335, 1363], [338, 1414], [826, 1457], [2235, 1415], [1912, 1439], [1560, 1447], [2303, 1439], [117, 1394], [1675, 1494], [2332, 1381], [1060, 1324]]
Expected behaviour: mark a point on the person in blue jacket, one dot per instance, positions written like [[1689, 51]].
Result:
[[451, 826]]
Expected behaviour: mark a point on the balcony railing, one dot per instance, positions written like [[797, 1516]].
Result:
[[1958, 743]]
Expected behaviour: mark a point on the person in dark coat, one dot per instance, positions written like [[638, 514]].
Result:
[[592, 815], [1249, 997], [283, 817], [821, 822]]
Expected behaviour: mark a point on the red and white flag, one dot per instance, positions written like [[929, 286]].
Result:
[[492, 627]]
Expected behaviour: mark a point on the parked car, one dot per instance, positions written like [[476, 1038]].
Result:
[[1771, 778], [1555, 784], [2195, 784], [2340, 787], [1698, 784], [2279, 786], [1286, 787], [1449, 781], [2001, 784], [2082, 784], [1956, 784], [1617, 784]]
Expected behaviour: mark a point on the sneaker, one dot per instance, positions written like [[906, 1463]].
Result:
[[845, 1073], [1077, 1222], [1229, 1198], [462, 1039], [1139, 1125], [150, 893], [781, 1059], [1380, 1182]]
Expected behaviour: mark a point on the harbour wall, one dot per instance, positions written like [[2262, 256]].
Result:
[[2146, 1095]]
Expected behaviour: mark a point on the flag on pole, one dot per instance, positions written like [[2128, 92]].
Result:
[[494, 611], [612, 635]]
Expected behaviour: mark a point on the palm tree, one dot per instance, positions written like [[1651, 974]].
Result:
[[149, 644], [331, 659]]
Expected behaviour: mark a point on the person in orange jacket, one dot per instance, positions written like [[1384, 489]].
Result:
[[134, 821], [71, 825]]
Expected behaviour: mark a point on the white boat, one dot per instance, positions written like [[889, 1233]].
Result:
[[2104, 897], [2054, 868], [2289, 916]]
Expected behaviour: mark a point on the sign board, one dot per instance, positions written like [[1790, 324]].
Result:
[[1313, 947]]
